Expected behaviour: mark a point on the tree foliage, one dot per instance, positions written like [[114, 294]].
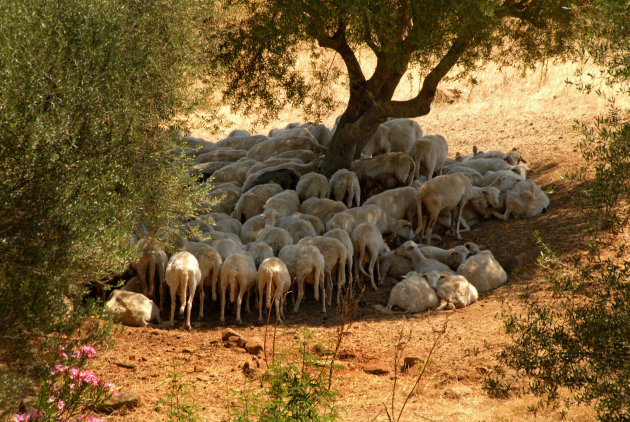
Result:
[[263, 40], [581, 340], [90, 94]]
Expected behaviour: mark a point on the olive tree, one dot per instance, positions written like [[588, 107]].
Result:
[[263, 40]]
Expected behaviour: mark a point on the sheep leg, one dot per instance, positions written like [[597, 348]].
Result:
[[371, 270], [223, 291], [460, 209], [215, 279], [151, 279], [173, 300], [162, 296], [300, 284], [182, 293], [239, 301], [430, 224], [191, 296], [202, 298], [503, 216], [323, 287], [260, 301], [329, 286], [247, 303]]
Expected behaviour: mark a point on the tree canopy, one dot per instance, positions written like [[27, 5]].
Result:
[[263, 39]]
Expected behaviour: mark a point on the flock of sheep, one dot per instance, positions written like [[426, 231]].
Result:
[[282, 224]]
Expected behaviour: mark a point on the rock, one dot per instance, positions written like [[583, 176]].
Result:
[[129, 400], [187, 350], [228, 332], [248, 370], [457, 392], [234, 341], [410, 362], [377, 367], [203, 378], [254, 346]]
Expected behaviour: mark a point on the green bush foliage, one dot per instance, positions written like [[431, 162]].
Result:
[[91, 92]]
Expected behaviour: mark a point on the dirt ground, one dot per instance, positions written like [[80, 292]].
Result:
[[534, 115]]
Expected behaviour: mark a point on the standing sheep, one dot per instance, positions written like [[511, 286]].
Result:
[[312, 185], [274, 275], [183, 276], [344, 187], [335, 258], [368, 245], [210, 262], [239, 274], [305, 264]]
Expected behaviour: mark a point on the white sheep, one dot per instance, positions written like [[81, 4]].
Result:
[[385, 171], [282, 204], [453, 290], [210, 262], [374, 214], [395, 135], [235, 173], [429, 154], [343, 236], [259, 252], [397, 203], [322, 208], [275, 237], [319, 131], [305, 264], [228, 225], [253, 201], [238, 133], [226, 246], [443, 193], [296, 227], [317, 224], [312, 185], [524, 200], [224, 197], [394, 265], [475, 177], [411, 294], [452, 257], [134, 309], [183, 275], [151, 267], [273, 275], [251, 228], [240, 142], [502, 179], [275, 146], [239, 274], [221, 154], [368, 245], [344, 187], [335, 259], [483, 271], [419, 262]]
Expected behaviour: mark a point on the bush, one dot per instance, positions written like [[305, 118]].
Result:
[[90, 95]]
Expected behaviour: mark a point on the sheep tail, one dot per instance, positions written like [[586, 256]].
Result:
[[269, 282], [232, 281]]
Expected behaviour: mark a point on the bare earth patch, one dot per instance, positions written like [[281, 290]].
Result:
[[538, 121]]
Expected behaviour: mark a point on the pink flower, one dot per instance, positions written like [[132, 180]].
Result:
[[58, 368], [84, 351], [109, 385], [74, 373], [61, 352], [89, 377], [93, 419], [26, 417], [61, 404], [52, 399]]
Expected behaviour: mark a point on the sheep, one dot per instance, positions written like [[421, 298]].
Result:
[[475, 177], [322, 208], [395, 135], [304, 155], [335, 258], [245, 142], [133, 285], [274, 146], [384, 171], [238, 273], [196, 142], [502, 179], [524, 200], [429, 154], [259, 252], [134, 309], [282, 204], [251, 228], [227, 246], [343, 236], [275, 237], [238, 133], [235, 173], [284, 177], [253, 202], [394, 265], [312, 185], [419, 262], [183, 275], [205, 170], [397, 203], [443, 193], [345, 187], [305, 264], [221, 154], [228, 193], [228, 225], [319, 131], [317, 224], [351, 218], [368, 245], [483, 271], [411, 294], [453, 290], [272, 163], [292, 130], [484, 165], [210, 262], [151, 266], [274, 275], [513, 157], [452, 257], [296, 227]]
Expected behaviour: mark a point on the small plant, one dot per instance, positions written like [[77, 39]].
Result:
[[176, 404], [68, 392]]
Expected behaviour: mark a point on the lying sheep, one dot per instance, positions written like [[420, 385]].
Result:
[[443, 193], [253, 201], [240, 142], [335, 258], [273, 276], [386, 171], [368, 245], [259, 252], [502, 179], [210, 262], [134, 309], [183, 275], [312, 185], [344, 187], [351, 218], [394, 265], [239, 274], [397, 203], [484, 165], [524, 200], [429, 154], [305, 264], [452, 257], [275, 146], [453, 290], [252, 227], [395, 135], [272, 163], [475, 177], [275, 237], [319, 131], [322, 208], [419, 262], [483, 271], [412, 294]]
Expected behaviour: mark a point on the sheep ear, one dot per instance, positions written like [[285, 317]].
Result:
[[521, 159], [475, 151]]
